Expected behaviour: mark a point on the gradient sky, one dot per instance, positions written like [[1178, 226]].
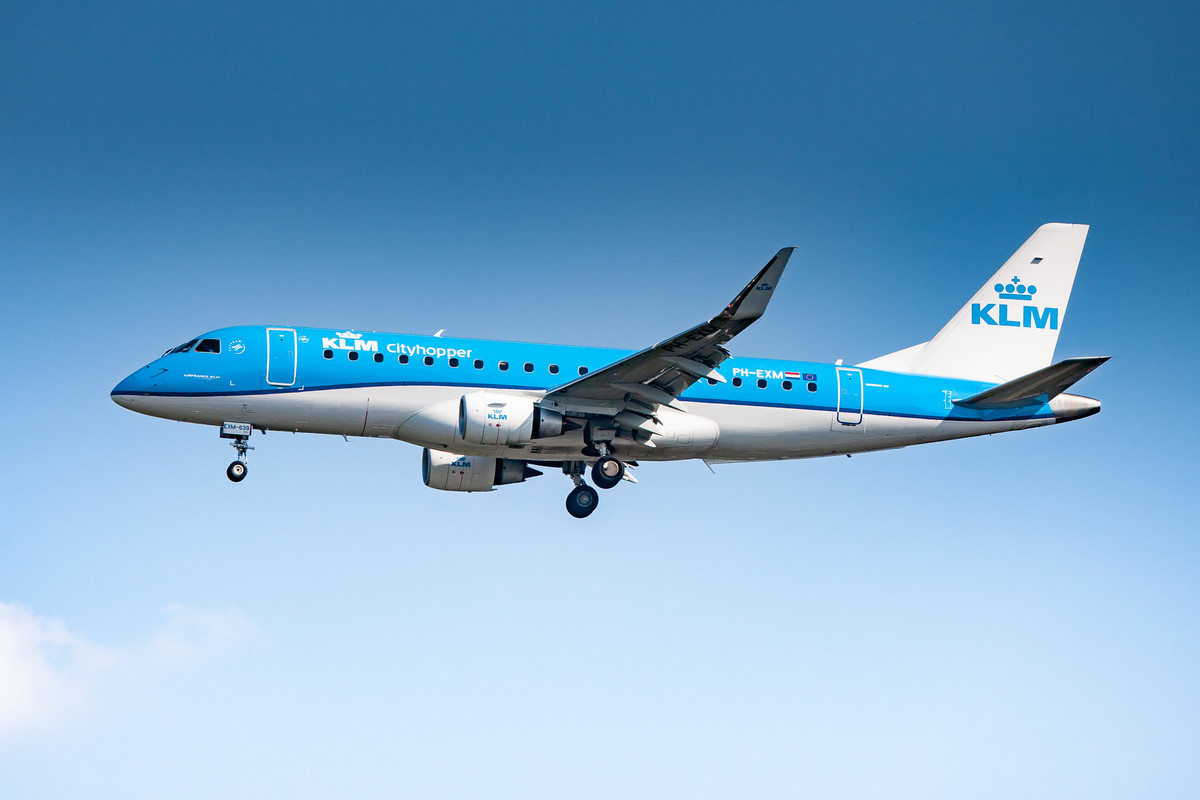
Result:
[[1003, 617]]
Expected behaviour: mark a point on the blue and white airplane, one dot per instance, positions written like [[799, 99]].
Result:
[[488, 412]]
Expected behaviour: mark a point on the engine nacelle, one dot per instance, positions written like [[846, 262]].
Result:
[[451, 472], [501, 419]]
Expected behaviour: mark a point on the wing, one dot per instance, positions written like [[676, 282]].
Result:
[[630, 390]]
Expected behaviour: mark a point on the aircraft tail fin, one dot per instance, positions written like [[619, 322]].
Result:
[[1036, 388], [1010, 327]]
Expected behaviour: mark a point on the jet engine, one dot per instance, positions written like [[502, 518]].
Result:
[[454, 473], [501, 419]]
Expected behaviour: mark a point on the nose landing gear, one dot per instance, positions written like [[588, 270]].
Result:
[[239, 432], [236, 471]]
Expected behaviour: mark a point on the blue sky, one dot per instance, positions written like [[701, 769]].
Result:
[[990, 618]]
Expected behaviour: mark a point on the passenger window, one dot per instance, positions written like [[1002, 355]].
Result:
[[812, 387], [454, 362], [209, 346], [787, 386], [737, 381], [554, 369], [403, 359], [711, 381], [528, 367], [429, 361], [762, 384], [327, 353], [478, 363], [352, 355], [379, 358], [503, 365], [583, 370]]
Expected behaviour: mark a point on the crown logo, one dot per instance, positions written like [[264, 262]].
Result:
[[353, 335], [1015, 290]]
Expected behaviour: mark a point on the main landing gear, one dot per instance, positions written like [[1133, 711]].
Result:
[[607, 472]]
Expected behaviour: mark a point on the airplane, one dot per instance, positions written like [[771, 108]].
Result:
[[489, 413]]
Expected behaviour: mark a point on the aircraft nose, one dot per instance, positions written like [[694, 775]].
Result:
[[126, 392], [123, 391]]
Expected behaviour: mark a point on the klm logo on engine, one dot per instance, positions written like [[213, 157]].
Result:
[[1005, 315]]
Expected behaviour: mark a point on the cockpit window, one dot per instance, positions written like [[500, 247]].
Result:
[[183, 348], [209, 346]]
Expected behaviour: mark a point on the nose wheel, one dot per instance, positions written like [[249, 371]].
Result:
[[236, 471]]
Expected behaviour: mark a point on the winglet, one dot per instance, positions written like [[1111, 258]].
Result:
[[752, 301]]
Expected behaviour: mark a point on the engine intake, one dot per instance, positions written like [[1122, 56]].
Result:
[[452, 472], [501, 419]]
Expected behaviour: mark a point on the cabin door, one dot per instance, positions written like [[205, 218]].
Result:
[[850, 396], [281, 356]]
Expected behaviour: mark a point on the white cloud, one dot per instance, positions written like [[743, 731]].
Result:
[[47, 672]]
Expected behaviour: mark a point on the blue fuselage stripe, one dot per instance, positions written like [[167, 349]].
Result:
[[241, 370]]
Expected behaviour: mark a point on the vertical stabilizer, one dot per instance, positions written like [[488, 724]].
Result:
[[1010, 327]]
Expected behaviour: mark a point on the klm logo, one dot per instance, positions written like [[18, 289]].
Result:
[[497, 416], [1004, 315], [765, 286], [338, 342]]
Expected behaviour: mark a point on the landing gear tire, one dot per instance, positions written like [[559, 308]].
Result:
[[236, 471], [607, 472], [582, 501]]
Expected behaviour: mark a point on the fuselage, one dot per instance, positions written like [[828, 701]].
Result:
[[358, 383]]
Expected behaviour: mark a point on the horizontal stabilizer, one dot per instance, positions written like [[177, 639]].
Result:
[[1035, 388]]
